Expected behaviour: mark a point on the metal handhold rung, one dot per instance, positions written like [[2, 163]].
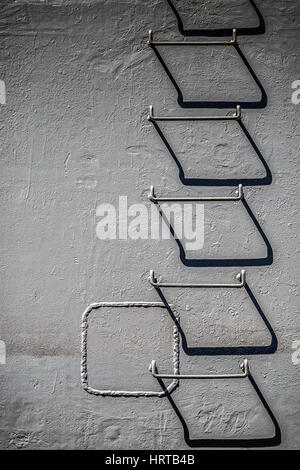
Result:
[[232, 41], [234, 117], [244, 367], [241, 277], [238, 197]]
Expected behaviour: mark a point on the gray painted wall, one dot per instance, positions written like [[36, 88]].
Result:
[[79, 78]]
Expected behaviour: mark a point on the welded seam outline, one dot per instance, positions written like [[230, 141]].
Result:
[[127, 393]]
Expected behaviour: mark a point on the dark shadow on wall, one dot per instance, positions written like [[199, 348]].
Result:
[[262, 103], [212, 262], [260, 442], [224, 351], [267, 179], [247, 31]]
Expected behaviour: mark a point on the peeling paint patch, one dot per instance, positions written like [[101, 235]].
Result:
[[86, 182]]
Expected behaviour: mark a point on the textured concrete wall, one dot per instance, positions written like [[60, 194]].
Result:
[[79, 78]]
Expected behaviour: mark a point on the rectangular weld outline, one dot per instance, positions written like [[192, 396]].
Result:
[[126, 393]]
